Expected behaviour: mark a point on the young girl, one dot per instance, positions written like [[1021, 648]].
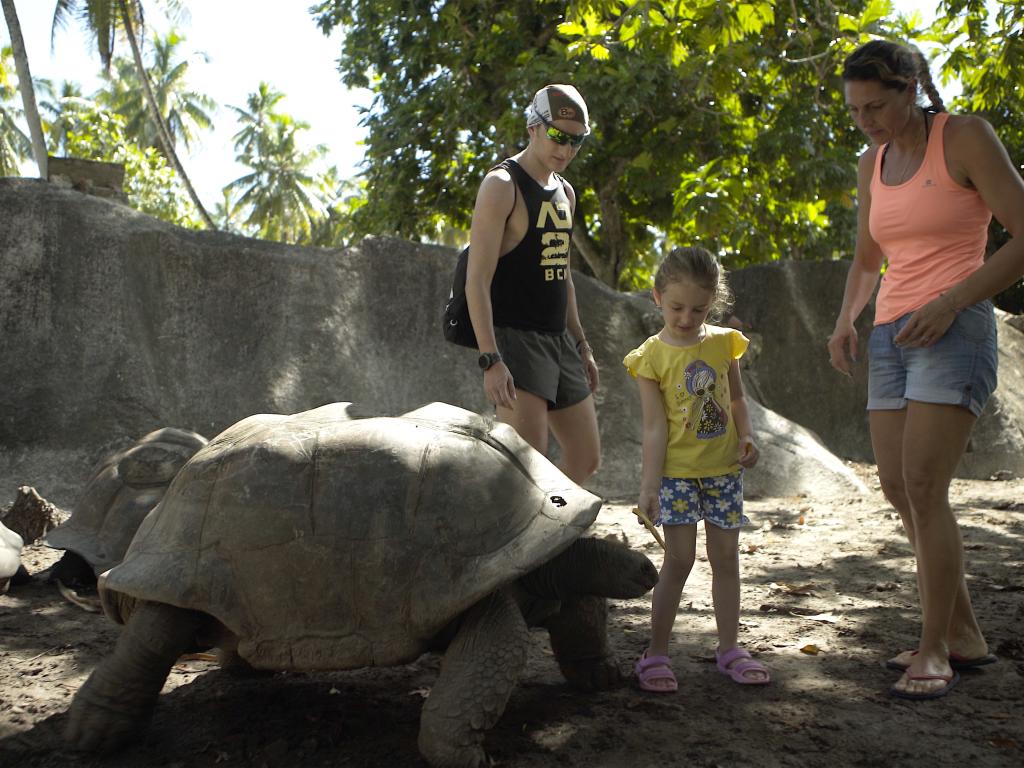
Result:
[[696, 436]]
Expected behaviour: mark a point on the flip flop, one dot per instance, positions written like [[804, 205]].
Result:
[[651, 668], [737, 663], [950, 680], [956, 662]]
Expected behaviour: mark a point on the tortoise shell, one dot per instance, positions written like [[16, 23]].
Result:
[[124, 487], [327, 543]]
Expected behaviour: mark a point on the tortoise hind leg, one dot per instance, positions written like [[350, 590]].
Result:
[[579, 639], [118, 698], [482, 665]]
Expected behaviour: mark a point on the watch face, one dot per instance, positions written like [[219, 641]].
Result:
[[487, 359]]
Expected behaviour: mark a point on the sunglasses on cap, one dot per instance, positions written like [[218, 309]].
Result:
[[559, 136]]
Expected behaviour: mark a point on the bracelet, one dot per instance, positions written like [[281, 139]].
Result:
[[584, 343], [949, 300]]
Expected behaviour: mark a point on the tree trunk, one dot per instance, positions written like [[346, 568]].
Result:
[[163, 134], [606, 258], [614, 243], [28, 95]]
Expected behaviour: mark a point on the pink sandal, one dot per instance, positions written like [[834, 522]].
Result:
[[651, 668], [737, 663]]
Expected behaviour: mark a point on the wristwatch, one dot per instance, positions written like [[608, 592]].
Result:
[[487, 359]]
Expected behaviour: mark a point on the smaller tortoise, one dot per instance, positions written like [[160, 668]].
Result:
[[307, 542], [124, 487]]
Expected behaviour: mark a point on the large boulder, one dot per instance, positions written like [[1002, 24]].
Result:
[[794, 461], [792, 307]]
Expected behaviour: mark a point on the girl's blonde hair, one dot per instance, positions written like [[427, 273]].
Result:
[[699, 266]]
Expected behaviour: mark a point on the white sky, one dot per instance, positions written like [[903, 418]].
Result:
[[246, 41]]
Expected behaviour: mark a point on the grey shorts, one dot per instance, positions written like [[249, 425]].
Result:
[[544, 364], [959, 369]]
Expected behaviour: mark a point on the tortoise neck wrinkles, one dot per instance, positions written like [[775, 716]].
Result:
[[590, 566]]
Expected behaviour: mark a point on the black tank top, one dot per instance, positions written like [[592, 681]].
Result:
[[529, 288]]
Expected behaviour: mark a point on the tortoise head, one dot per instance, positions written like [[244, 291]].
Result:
[[590, 566]]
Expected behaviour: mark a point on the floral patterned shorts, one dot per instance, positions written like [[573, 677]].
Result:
[[717, 500]]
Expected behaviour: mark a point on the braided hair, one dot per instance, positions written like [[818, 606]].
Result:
[[894, 66]]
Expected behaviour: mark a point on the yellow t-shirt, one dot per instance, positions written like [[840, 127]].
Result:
[[694, 382]]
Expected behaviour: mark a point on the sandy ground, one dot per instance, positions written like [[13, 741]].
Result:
[[828, 593]]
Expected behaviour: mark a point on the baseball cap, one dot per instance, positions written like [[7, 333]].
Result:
[[558, 102]]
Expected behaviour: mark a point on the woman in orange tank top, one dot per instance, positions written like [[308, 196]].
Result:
[[927, 188]]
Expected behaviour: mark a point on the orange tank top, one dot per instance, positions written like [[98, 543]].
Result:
[[931, 230]]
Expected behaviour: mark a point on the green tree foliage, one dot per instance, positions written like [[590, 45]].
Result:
[[986, 53], [334, 228], [93, 133], [185, 111], [719, 123], [53, 104], [15, 146], [281, 197]]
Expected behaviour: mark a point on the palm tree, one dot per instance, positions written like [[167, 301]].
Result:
[[184, 111], [225, 212], [55, 103], [103, 19], [342, 197], [256, 119], [280, 195], [15, 146], [28, 97]]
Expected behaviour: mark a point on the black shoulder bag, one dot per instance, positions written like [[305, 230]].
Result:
[[457, 327]]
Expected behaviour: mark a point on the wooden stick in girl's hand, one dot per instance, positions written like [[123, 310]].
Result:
[[649, 525]]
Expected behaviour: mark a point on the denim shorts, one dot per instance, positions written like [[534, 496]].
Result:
[[544, 364], [958, 369], [717, 500]]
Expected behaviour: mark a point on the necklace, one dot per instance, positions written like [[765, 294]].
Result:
[[910, 155]]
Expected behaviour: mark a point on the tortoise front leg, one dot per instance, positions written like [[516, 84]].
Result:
[[579, 639], [482, 665], [118, 698]]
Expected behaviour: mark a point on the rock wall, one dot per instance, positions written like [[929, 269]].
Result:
[[113, 324]]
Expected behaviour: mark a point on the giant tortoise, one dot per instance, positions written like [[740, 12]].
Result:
[[125, 485], [305, 542]]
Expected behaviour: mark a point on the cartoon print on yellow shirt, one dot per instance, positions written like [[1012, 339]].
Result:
[[710, 418]]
